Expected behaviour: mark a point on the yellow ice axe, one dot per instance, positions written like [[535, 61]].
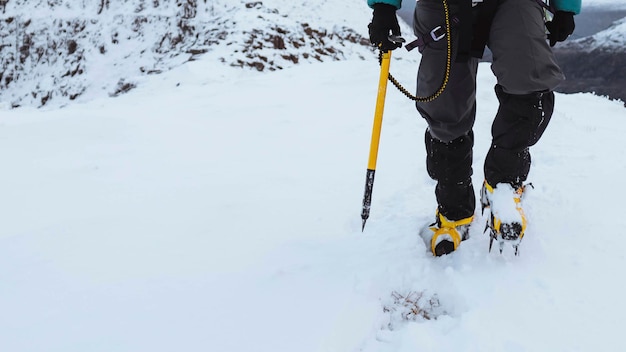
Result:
[[378, 122]]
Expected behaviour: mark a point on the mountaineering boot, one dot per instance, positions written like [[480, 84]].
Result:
[[507, 222], [444, 236]]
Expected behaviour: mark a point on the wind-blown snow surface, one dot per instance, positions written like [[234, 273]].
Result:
[[213, 209]]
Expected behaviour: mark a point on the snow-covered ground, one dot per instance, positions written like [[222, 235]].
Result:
[[218, 209]]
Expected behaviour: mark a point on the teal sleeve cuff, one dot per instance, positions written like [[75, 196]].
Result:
[[568, 5], [396, 3]]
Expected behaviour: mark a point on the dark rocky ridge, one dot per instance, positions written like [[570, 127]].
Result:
[[599, 71]]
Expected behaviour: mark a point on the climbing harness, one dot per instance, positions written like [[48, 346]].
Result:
[[474, 46], [435, 35]]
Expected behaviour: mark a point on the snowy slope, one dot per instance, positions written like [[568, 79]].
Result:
[[612, 39], [56, 51], [181, 217], [61, 51], [275, 34]]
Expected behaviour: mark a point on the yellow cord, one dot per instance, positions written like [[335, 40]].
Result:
[[446, 76]]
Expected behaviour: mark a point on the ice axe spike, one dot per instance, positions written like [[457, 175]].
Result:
[[378, 120]]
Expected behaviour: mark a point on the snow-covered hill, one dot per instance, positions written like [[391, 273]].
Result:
[[612, 39], [275, 34], [61, 50], [66, 50]]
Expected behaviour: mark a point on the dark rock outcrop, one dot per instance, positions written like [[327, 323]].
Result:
[[599, 71]]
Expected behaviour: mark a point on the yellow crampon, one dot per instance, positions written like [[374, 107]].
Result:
[[509, 232], [449, 228]]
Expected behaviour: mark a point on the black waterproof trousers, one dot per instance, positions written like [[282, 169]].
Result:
[[526, 73]]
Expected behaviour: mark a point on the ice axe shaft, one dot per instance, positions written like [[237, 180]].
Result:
[[378, 121]]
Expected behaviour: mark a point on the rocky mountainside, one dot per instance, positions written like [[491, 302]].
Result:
[[274, 34], [62, 49], [596, 63], [55, 51]]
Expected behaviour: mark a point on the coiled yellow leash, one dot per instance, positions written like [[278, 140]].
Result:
[[446, 76]]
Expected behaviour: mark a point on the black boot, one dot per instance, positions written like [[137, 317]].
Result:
[[450, 164]]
